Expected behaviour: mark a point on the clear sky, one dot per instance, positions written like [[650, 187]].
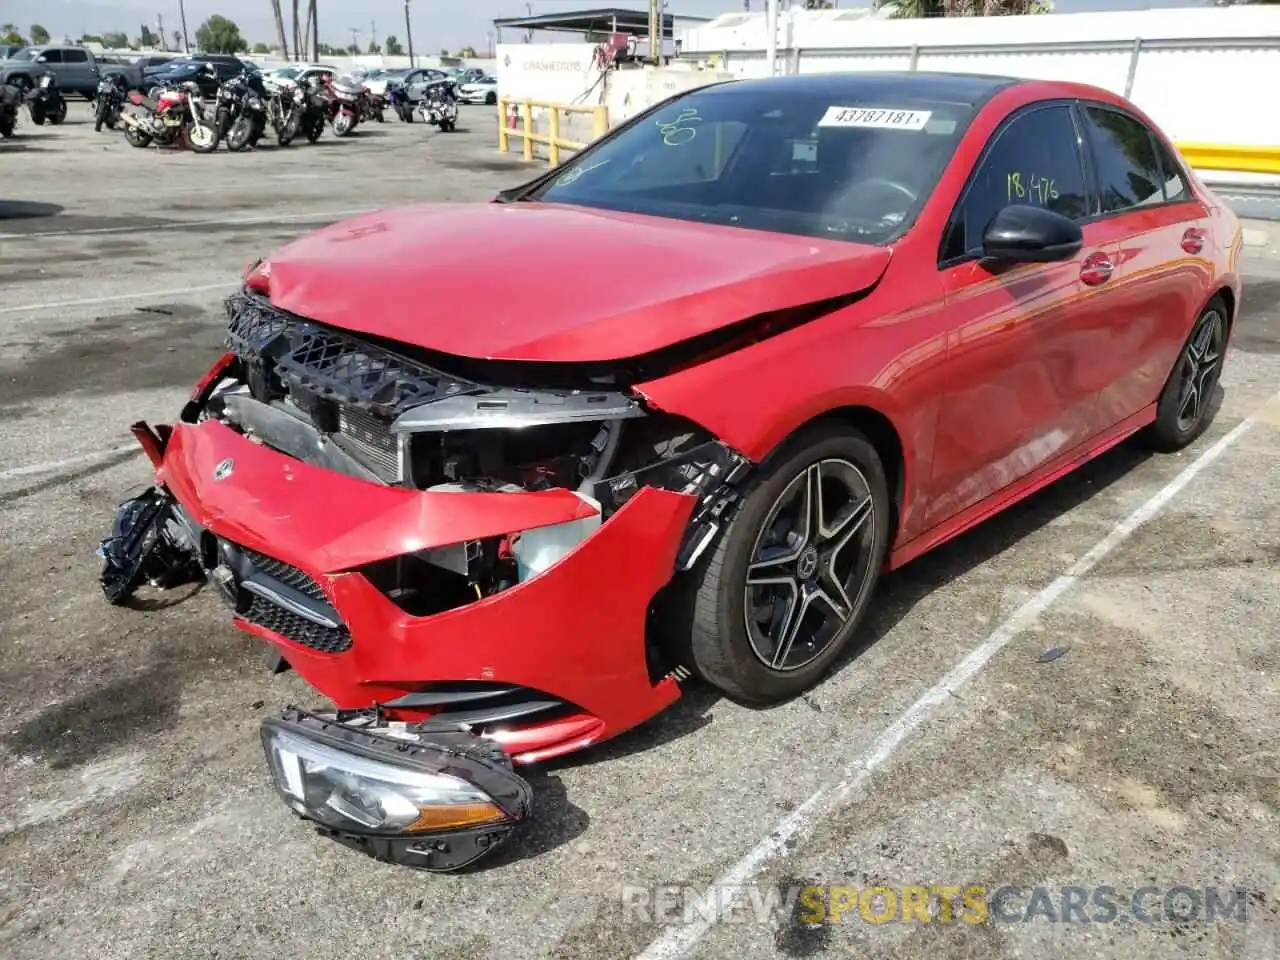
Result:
[[437, 24]]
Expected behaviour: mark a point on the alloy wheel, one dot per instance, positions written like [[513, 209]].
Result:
[[810, 565], [1201, 364]]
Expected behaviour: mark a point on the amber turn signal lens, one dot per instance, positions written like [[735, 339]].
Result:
[[455, 816]]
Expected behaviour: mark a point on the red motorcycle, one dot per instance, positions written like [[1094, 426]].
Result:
[[347, 103], [168, 116]]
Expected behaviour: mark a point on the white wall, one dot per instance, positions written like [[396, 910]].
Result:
[[1205, 75]]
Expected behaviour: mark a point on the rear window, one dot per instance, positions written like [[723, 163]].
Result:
[[74, 56], [806, 162]]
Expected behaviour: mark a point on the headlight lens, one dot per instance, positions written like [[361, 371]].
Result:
[[347, 791]]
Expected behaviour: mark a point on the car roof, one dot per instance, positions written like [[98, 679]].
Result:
[[969, 89]]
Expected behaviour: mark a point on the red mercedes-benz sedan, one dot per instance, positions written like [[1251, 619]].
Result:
[[499, 479]]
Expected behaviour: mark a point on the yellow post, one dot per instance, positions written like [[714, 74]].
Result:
[[600, 122], [528, 130], [504, 142], [553, 138]]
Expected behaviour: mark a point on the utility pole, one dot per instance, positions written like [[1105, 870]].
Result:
[[408, 33], [355, 37], [315, 31], [164, 44], [182, 15], [373, 35], [655, 31]]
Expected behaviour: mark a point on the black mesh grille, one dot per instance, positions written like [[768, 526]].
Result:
[[332, 363], [288, 575], [298, 629]]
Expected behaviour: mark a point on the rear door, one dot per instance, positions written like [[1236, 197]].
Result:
[[78, 71], [1161, 232], [1020, 387]]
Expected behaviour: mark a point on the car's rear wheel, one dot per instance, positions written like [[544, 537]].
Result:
[[1185, 408], [780, 597]]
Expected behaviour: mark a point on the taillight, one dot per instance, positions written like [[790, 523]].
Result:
[[258, 277]]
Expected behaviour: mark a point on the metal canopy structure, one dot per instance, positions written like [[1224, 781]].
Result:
[[602, 21]]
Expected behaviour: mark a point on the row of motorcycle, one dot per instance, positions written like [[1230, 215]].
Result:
[[247, 104]]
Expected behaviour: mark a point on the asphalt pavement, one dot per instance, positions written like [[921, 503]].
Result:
[[1080, 694]]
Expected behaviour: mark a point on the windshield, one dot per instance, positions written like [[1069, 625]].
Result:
[[289, 72], [26, 53], [803, 162]]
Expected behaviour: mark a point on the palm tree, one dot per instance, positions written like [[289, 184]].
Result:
[[280, 35], [297, 32]]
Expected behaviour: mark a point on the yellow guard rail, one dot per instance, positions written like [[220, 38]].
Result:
[[1206, 156], [552, 139]]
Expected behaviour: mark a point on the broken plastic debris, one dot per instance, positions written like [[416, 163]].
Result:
[[1053, 653]]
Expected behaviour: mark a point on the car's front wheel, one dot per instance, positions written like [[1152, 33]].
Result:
[[780, 597], [1185, 408]]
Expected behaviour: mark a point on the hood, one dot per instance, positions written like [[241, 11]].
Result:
[[536, 281]]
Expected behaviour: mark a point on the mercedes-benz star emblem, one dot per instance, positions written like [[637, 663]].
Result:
[[224, 469]]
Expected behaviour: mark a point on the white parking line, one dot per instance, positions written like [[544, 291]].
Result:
[[677, 941], [71, 463], [138, 295], [185, 224]]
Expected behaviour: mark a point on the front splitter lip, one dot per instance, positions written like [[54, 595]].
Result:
[[439, 749]]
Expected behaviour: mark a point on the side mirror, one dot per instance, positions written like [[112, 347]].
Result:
[[1021, 233]]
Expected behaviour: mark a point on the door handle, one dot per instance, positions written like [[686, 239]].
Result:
[[1193, 240], [1096, 269]]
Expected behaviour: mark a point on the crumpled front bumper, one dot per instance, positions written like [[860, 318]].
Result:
[[575, 632]]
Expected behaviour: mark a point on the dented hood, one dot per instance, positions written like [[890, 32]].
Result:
[[536, 281]]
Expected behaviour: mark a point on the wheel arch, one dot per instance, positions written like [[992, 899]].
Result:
[[882, 434]]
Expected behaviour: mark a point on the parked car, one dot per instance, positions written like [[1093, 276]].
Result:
[[483, 90], [134, 71], [415, 82], [378, 81], [184, 69], [463, 75], [876, 309], [75, 68]]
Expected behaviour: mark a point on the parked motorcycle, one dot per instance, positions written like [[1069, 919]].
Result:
[[372, 107], [240, 116], [45, 101], [439, 105], [109, 102], [346, 104], [315, 109], [286, 107], [398, 100], [10, 102], [170, 115]]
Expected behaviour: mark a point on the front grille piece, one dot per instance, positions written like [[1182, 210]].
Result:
[[300, 630], [333, 364]]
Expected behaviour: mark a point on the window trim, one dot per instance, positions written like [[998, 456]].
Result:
[[1023, 111], [1156, 139]]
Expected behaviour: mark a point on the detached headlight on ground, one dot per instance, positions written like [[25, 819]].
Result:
[[424, 795]]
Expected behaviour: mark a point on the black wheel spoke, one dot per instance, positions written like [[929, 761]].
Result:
[[1201, 363]]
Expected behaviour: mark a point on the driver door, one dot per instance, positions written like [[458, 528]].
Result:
[[1022, 370]]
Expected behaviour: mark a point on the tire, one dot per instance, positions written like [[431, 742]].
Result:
[[491, 100], [406, 114], [239, 135], [316, 129], [99, 116], [6, 127], [447, 126], [38, 115], [289, 130], [714, 608], [207, 139], [59, 115], [1193, 380], [135, 136]]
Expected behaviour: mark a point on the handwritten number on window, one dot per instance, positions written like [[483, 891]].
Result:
[[1033, 188], [681, 129]]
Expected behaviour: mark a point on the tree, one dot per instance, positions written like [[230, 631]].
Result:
[[9, 34], [39, 34], [115, 40], [374, 49], [468, 53], [393, 48], [146, 38], [220, 35], [444, 52], [353, 50], [87, 38], [818, 4], [261, 48], [177, 39]]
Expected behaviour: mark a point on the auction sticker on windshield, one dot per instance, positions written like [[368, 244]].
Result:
[[881, 117]]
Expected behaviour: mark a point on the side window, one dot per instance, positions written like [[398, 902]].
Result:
[[1035, 160], [52, 56], [74, 56], [1175, 183], [1124, 156]]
